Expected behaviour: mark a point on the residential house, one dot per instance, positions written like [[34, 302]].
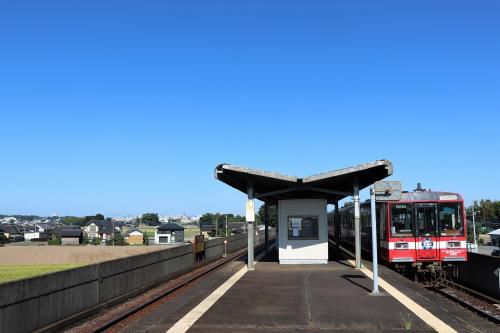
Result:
[[169, 233], [134, 236], [102, 229], [41, 231], [495, 237], [13, 232], [71, 236]]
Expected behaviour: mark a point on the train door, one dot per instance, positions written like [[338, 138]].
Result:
[[427, 243]]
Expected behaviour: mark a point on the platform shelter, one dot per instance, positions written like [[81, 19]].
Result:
[[302, 231]]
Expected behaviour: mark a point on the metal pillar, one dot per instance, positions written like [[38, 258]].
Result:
[[266, 227], [374, 242], [474, 227], [336, 219], [251, 235], [357, 229]]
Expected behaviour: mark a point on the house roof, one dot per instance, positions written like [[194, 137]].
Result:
[[100, 223], [10, 229], [71, 232], [129, 231], [332, 186], [108, 230], [494, 233], [170, 226]]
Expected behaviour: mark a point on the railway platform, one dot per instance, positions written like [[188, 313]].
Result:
[[304, 298]]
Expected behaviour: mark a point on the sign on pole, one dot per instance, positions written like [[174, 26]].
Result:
[[250, 211], [387, 190], [381, 191]]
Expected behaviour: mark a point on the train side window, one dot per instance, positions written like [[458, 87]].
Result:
[[450, 219], [402, 220]]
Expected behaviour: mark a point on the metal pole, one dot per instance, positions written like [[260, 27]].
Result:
[[250, 234], [336, 237], [357, 229], [474, 226], [266, 228], [374, 242], [226, 225]]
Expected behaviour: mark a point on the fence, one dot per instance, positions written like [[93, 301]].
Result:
[[480, 272]]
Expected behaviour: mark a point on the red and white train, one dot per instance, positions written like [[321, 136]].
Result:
[[423, 230]]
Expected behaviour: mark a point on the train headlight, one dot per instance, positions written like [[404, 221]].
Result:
[[402, 246]]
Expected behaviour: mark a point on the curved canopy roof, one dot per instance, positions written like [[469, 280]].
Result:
[[333, 185]]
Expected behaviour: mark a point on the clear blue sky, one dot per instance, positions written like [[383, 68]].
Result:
[[125, 107]]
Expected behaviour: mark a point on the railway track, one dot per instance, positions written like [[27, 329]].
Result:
[[483, 305], [109, 319]]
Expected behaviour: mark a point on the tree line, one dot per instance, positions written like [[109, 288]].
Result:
[[486, 210]]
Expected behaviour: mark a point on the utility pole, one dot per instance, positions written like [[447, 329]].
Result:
[[216, 225], [226, 225], [474, 226]]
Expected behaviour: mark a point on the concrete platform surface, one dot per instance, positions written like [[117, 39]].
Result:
[[303, 298], [298, 298]]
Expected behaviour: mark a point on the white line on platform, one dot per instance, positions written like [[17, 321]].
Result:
[[185, 323], [425, 315], [431, 320]]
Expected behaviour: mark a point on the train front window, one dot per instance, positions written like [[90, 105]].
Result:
[[401, 220], [450, 219], [426, 220]]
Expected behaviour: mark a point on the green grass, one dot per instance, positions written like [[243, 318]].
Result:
[[16, 272], [190, 232]]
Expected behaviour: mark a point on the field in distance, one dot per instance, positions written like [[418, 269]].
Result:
[[17, 272], [18, 262]]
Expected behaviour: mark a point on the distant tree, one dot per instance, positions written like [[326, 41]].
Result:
[[55, 241], [272, 215], [3, 239], [486, 210], [211, 218], [74, 220], [96, 241], [86, 240], [118, 240], [150, 219]]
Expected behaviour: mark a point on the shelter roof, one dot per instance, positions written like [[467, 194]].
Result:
[[332, 186]]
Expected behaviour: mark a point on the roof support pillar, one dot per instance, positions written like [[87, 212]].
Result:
[[357, 228], [266, 227], [337, 222], [250, 254]]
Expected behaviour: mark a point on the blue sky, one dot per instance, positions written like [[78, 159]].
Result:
[[125, 107]]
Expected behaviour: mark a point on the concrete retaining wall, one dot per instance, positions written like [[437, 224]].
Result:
[[31, 304], [480, 273]]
